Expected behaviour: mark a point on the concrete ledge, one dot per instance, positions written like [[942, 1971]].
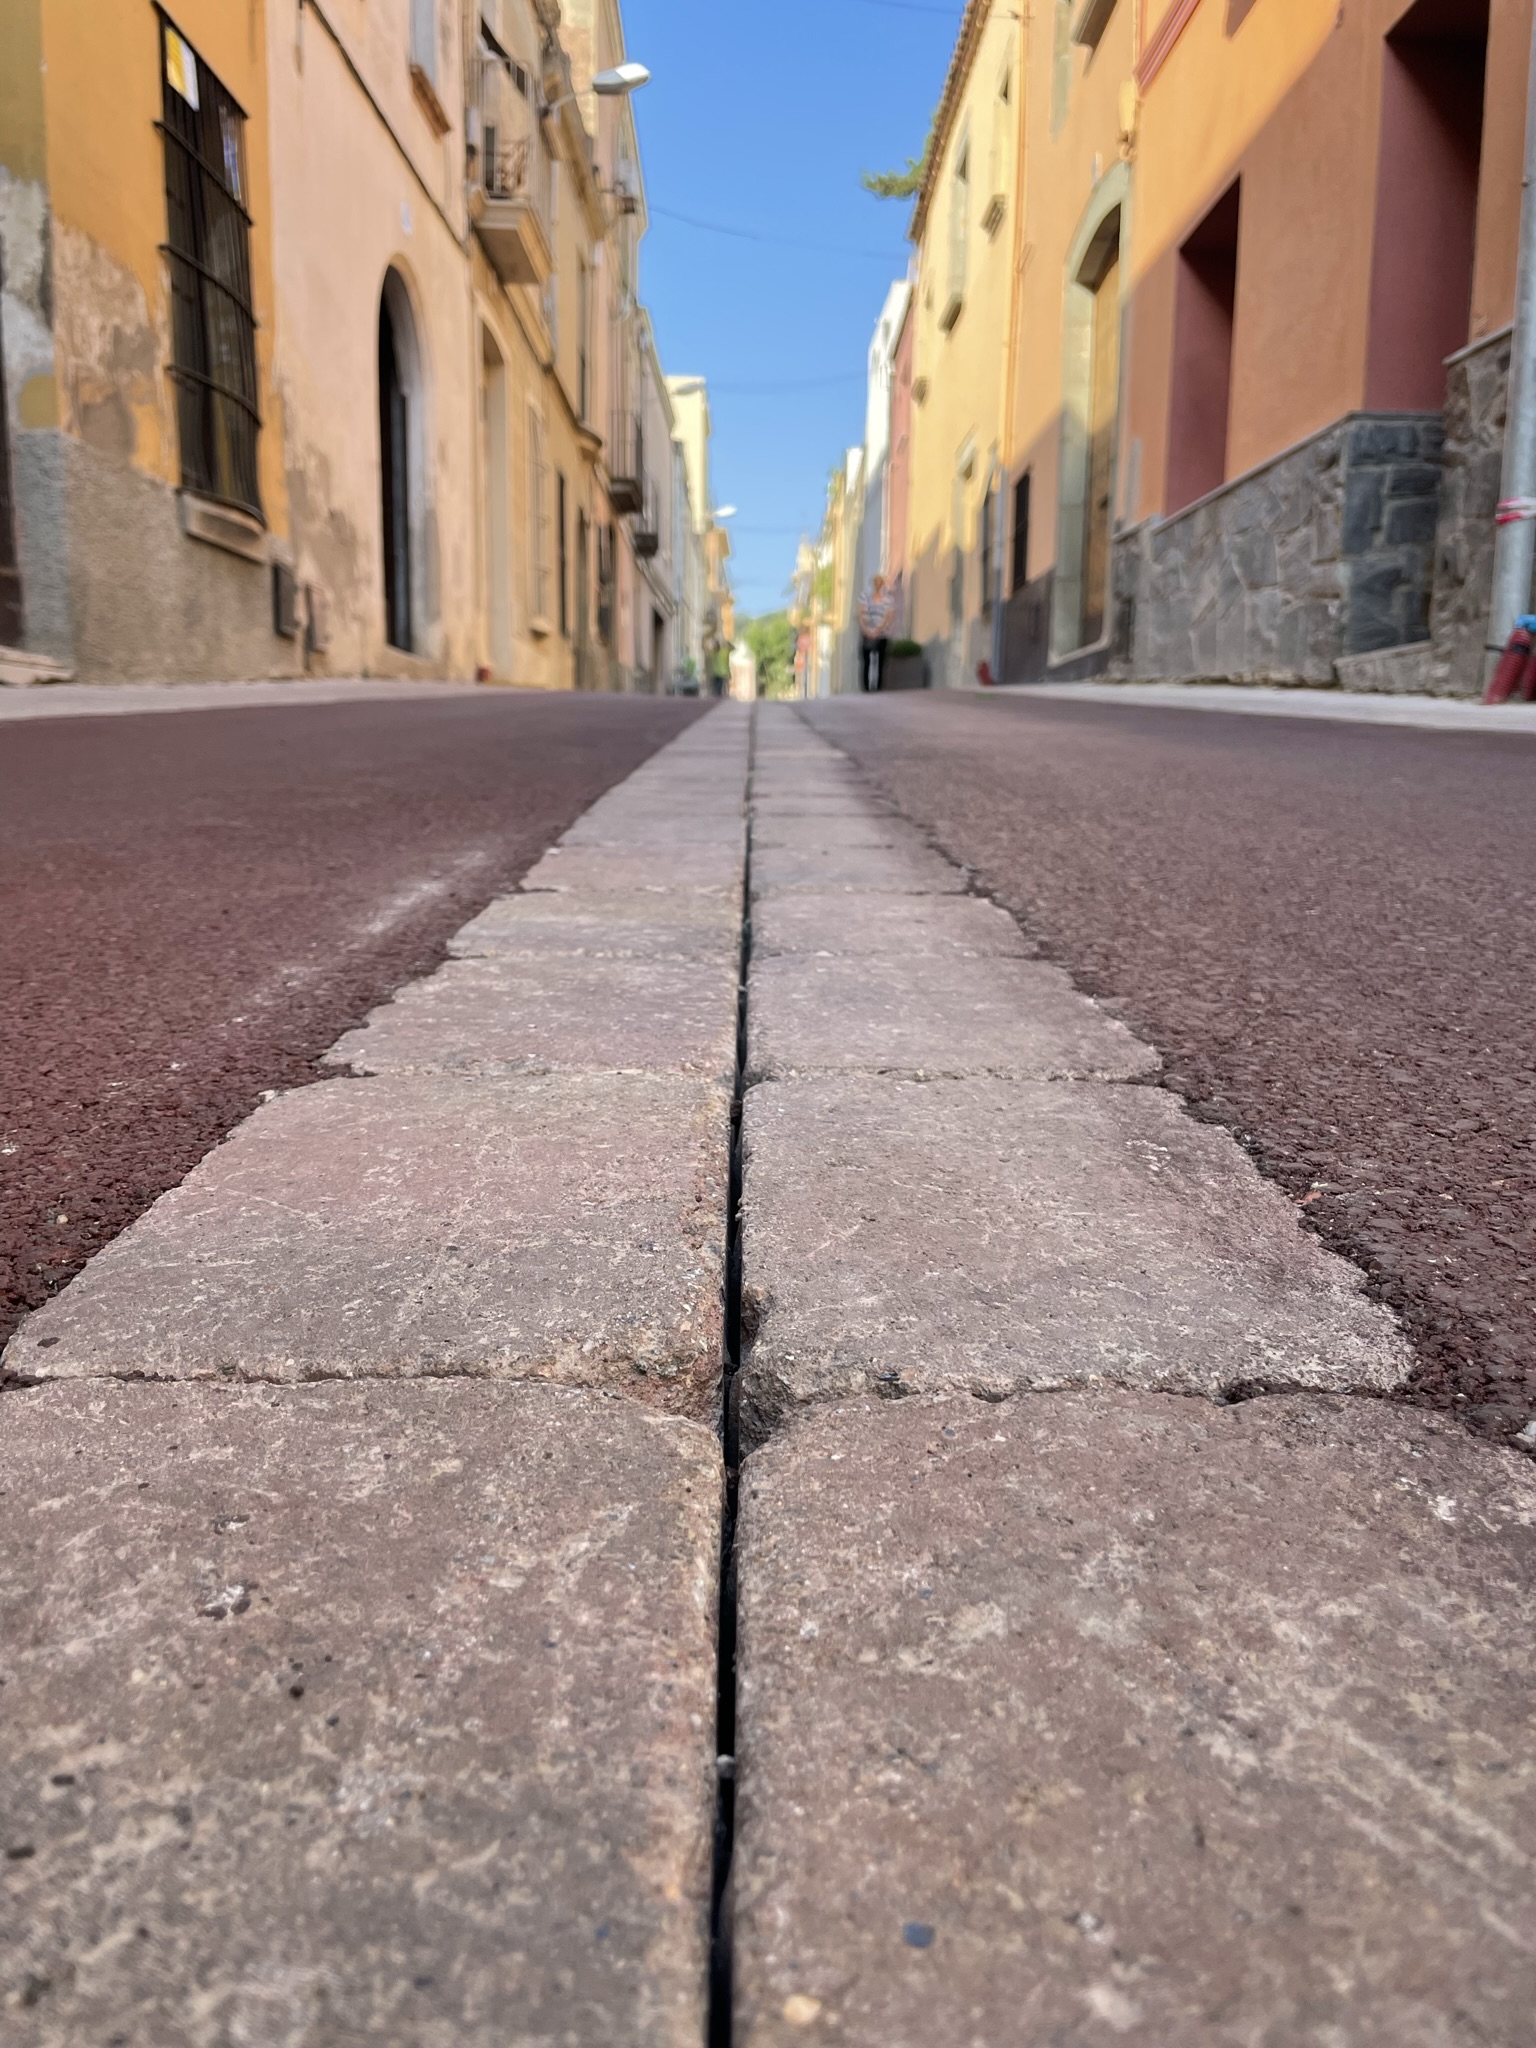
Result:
[[355, 1714], [1100, 1718], [858, 925]]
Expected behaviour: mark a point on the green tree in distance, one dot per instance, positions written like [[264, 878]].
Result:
[[772, 640]]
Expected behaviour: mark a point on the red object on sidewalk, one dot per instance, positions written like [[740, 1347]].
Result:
[[984, 675], [1515, 676]]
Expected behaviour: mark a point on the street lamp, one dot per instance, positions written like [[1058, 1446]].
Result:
[[725, 511], [608, 85], [623, 78]]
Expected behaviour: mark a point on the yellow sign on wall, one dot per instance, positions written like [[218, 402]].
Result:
[[181, 67]]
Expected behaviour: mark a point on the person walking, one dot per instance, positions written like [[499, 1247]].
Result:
[[875, 614]]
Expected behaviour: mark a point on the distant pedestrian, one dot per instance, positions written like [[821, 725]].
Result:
[[875, 616]]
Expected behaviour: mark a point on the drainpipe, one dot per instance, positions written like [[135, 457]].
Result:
[[1515, 540]]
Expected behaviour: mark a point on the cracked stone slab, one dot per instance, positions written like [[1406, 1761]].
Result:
[[1093, 1718], [681, 924], [866, 923], [355, 1714], [556, 1011], [879, 1014], [599, 870], [568, 1227], [911, 869], [996, 1235]]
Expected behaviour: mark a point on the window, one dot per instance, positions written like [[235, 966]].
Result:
[[213, 327], [988, 521], [564, 568], [959, 229], [583, 336], [538, 524], [424, 37], [1020, 533]]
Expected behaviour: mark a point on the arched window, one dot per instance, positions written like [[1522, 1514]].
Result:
[[402, 469]]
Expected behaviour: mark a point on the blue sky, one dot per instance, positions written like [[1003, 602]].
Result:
[[760, 115]]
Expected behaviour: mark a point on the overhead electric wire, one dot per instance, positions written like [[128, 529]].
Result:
[[715, 227]]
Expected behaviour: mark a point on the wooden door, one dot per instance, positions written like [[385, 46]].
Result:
[[1103, 415]]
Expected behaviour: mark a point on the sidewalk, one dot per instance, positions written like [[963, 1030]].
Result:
[[1115, 1663], [1442, 714], [108, 700]]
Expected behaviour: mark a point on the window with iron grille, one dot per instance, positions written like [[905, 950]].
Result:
[[213, 326]]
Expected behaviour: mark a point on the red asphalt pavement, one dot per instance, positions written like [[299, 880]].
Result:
[[195, 904], [1326, 929]]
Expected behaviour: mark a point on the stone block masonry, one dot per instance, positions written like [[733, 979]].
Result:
[[1325, 552], [360, 1509]]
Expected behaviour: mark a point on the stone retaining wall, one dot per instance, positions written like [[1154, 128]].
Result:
[[1325, 551]]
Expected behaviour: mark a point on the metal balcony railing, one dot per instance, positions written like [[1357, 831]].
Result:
[[626, 462], [646, 531], [510, 173]]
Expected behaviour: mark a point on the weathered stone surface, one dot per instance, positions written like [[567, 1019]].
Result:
[[909, 1236], [563, 1011], [651, 924], [599, 870], [905, 870], [863, 923], [355, 1714], [850, 825], [877, 1014], [1101, 1718], [561, 1227], [634, 827]]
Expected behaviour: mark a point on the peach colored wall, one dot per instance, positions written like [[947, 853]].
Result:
[[1289, 99]]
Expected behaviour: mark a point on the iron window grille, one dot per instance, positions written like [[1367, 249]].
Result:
[[213, 323]]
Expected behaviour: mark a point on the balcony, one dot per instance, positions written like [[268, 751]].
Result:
[[646, 531], [509, 185], [626, 463]]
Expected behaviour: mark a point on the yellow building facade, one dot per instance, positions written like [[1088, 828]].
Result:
[[148, 475], [965, 228], [315, 334]]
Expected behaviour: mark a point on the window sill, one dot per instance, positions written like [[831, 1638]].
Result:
[[221, 526], [428, 101], [540, 628]]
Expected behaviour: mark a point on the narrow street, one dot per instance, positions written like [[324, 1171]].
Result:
[[1326, 931], [194, 904]]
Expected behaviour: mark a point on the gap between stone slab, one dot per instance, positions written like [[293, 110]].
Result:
[[721, 1974]]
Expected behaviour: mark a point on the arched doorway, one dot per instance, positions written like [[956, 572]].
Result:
[[401, 442], [496, 518]]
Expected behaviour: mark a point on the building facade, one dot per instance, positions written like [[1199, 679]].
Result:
[[322, 342], [1213, 382]]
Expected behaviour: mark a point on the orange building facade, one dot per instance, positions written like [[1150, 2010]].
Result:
[[1257, 354]]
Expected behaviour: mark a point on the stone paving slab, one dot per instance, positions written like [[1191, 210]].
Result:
[[674, 924], [863, 924], [873, 1014], [355, 1714], [646, 829], [819, 804], [907, 870], [904, 1236], [599, 870], [1089, 1719], [553, 1012], [849, 825], [563, 1227]]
